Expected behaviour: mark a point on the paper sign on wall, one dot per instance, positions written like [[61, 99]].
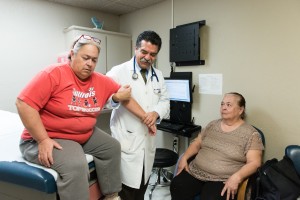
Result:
[[210, 84]]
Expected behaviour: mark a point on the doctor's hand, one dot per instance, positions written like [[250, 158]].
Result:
[[123, 94], [150, 118], [45, 151]]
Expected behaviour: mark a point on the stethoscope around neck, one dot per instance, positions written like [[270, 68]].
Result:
[[135, 76]]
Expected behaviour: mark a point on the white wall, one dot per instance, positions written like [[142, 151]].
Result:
[[254, 44], [32, 38]]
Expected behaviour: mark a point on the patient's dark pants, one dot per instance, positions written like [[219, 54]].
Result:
[[72, 168], [185, 187]]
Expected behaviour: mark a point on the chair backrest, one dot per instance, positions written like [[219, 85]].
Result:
[[252, 184], [293, 152], [261, 135]]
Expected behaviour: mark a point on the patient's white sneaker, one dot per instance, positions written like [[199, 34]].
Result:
[[112, 197]]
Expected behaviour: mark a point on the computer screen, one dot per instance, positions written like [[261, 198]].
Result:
[[179, 86], [178, 89]]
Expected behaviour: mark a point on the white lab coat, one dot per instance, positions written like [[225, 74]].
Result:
[[137, 146]]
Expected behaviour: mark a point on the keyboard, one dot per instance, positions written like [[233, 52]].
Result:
[[170, 126], [185, 130]]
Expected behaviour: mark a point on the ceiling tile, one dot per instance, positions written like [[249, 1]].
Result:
[[116, 7]]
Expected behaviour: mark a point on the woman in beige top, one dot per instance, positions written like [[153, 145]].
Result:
[[227, 151]]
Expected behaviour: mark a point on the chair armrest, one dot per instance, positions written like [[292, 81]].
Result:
[[242, 190]]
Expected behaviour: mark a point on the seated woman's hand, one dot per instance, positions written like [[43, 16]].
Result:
[[45, 151], [182, 165], [231, 186]]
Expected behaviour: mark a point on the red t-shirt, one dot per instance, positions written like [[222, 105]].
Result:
[[68, 106]]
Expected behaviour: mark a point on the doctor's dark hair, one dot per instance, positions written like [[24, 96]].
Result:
[[149, 36], [241, 102]]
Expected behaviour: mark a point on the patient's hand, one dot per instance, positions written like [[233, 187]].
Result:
[[45, 151], [152, 130]]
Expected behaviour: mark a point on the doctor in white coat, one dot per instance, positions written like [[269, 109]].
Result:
[[133, 125]]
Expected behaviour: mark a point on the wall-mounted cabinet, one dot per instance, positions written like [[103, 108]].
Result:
[[115, 47], [185, 44]]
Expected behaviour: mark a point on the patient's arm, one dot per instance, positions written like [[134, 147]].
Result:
[[33, 123], [138, 111], [134, 108]]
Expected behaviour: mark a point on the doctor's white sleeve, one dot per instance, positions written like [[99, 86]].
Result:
[[110, 104]]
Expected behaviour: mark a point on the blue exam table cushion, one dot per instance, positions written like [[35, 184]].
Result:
[[23, 174], [13, 168]]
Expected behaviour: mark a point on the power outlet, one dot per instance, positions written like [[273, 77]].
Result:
[[175, 144]]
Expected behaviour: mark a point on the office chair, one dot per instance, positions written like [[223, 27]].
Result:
[[247, 188], [248, 185], [163, 158], [293, 152]]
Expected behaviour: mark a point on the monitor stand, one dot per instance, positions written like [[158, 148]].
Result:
[[181, 112]]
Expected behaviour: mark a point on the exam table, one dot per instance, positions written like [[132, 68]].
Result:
[[22, 180]]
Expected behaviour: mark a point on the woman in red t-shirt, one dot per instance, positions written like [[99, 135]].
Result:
[[59, 108]]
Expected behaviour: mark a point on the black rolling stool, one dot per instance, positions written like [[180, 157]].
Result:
[[163, 158]]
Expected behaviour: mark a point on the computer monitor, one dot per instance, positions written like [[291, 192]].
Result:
[[178, 89], [179, 86]]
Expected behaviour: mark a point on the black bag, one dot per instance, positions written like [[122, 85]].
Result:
[[278, 180]]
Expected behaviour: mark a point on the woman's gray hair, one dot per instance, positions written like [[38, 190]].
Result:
[[80, 42], [241, 102]]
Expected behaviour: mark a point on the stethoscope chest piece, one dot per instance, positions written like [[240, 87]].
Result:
[[135, 76]]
